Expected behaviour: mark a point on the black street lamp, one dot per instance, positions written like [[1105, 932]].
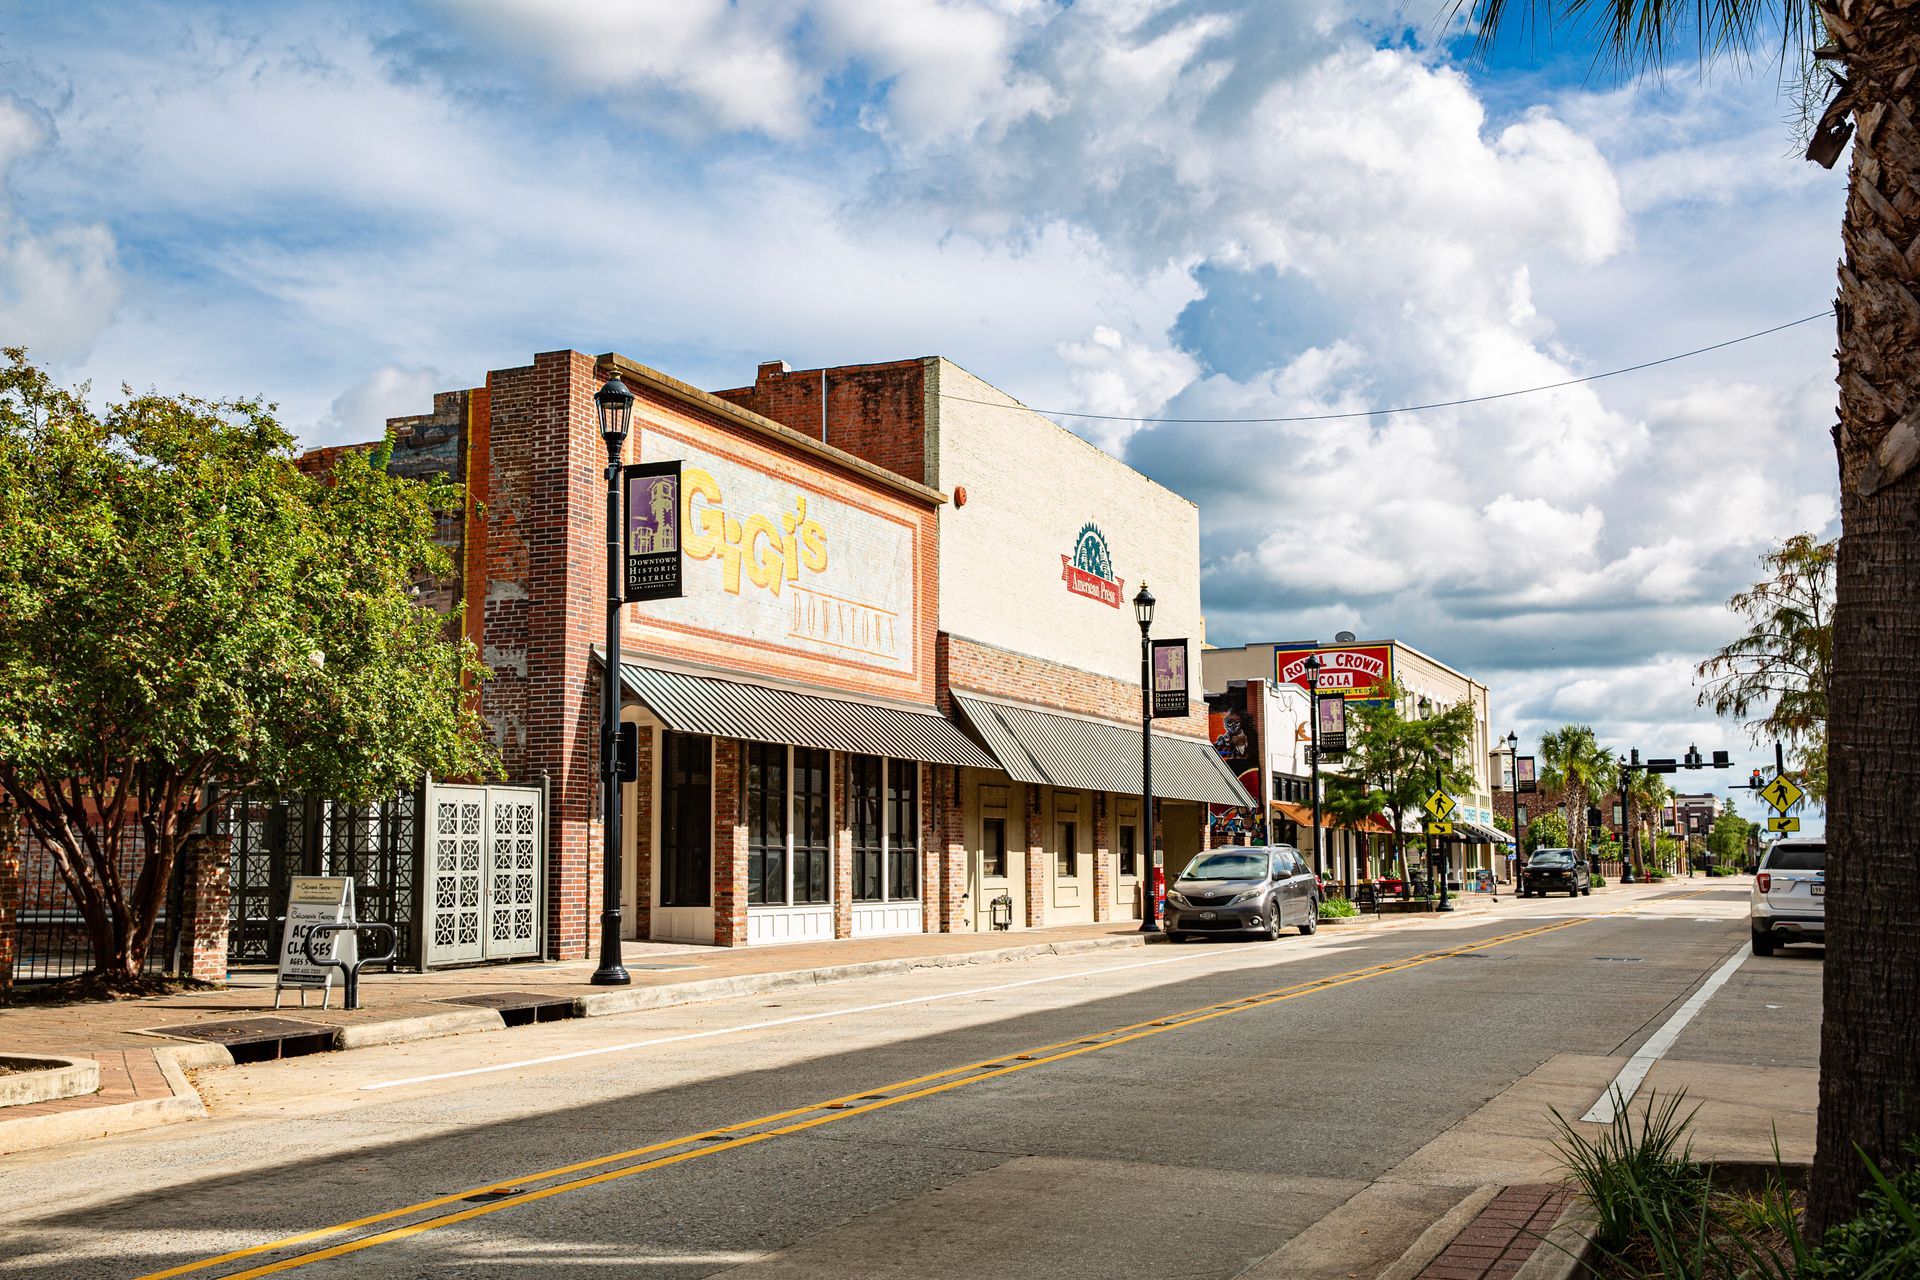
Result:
[[1149, 862], [1313, 717], [1519, 823], [615, 404]]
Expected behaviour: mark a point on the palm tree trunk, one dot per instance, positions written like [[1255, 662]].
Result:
[[1869, 1072]]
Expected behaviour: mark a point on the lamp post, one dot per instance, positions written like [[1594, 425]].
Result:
[[615, 404], [1519, 825], [1313, 717], [1149, 900]]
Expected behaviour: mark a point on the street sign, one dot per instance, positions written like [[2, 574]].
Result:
[[1781, 793], [1440, 805], [1783, 826], [1440, 828]]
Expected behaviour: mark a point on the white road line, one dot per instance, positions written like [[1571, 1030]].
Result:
[[1627, 1083], [782, 1022]]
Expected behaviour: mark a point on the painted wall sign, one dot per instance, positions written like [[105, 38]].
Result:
[[786, 567], [1357, 672], [1169, 678], [653, 541], [1089, 570]]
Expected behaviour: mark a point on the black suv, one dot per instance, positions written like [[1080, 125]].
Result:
[[1552, 870]]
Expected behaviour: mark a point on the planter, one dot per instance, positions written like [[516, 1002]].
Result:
[[26, 1079]]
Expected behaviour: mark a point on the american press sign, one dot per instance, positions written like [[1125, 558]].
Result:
[[1356, 672]]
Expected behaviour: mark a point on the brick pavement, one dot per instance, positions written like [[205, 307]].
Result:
[[1504, 1235], [126, 1075]]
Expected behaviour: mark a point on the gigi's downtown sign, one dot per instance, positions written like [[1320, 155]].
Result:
[[1359, 673]]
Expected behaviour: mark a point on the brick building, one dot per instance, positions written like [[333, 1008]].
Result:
[[881, 703]]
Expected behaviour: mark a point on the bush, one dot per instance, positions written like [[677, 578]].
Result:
[[1884, 1240], [1599, 882], [1622, 1170], [1338, 909]]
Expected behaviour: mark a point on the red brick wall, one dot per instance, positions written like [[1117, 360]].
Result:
[[973, 667], [9, 899], [842, 846], [877, 412], [729, 846], [1103, 868], [1036, 866], [205, 906]]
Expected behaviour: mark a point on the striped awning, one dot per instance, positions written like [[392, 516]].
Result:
[[1302, 815], [760, 713], [1480, 833], [1096, 755]]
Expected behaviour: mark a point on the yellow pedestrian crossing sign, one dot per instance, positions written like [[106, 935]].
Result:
[[1781, 793], [1440, 828], [1440, 805], [1783, 826]]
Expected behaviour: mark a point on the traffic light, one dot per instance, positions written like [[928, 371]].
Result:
[[1755, 781], [1593, 816], [626, 755]]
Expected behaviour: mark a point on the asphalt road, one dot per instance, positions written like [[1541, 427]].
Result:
[[1167, 1111]]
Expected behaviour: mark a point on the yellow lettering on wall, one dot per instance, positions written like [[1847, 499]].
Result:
[[772, 554]]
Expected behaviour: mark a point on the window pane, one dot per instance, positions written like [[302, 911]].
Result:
[[811, 842], [1127, 856], [766, 823], [864, 803], [1068, 857], [903, 829], [686, 821], [994, 854]]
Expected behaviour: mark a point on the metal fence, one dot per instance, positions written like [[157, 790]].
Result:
[[51, 934]]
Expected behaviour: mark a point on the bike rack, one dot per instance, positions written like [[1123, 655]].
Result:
[[350, 969]]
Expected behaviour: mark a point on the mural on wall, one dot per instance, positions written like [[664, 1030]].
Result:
[[1089, 570], [787, 568], [1234, 725]]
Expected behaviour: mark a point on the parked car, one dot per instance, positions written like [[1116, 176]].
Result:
[[1789, 901], [1554, 870], [1261, 889]]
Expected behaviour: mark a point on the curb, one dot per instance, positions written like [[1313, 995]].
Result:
[[35, 1133], [1428, 1244], [50, 1079], [1568, 1245]]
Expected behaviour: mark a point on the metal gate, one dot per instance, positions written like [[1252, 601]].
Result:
[[486, 868], [51, 940]]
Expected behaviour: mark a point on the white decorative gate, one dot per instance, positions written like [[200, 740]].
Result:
[[486, 868]]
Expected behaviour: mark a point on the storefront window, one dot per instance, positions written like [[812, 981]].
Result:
[[869, 845], [789, 847], [903, 830], [994, 855], [812, 842], [1128, 865], [766, 823], [686, 820], [1068, 859], [885, 806]]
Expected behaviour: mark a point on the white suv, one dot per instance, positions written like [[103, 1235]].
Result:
[[1789, 895]]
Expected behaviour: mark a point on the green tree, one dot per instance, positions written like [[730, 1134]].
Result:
[[180, 605], [1865, 52], [1646, 793], [1727, 842], [1392, 758], [1548, 831], [1580, 770], [1783, 661]]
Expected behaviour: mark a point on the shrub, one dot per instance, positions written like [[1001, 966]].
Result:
[[1599, 882], [1338, 909], [1622, 1170], [1884, 1240]]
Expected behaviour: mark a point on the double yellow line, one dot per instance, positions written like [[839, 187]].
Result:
[[511, 1193]]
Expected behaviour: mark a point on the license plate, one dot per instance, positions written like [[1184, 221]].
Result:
[[1819, 891], [1206, 915]]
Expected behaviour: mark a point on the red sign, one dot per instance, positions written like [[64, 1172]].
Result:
[[1356, 672], [1089, 570]]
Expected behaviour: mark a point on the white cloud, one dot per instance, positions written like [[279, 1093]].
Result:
[[59, 285], [361, 411]]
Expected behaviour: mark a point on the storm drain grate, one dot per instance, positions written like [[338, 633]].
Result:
[[258, 1039], [521, 1008]]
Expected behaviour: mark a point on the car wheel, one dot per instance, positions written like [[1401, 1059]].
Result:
[[1574, 892], [1763, 943], [1312, 922], [1587, 892], [1275, 922]]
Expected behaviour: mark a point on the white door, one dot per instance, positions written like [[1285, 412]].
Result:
[[484, 874]]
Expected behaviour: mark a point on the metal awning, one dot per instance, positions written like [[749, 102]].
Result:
[[730, 709], [1481, 832], [1097, 755], [1302, 815]]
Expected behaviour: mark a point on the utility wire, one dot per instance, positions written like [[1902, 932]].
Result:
[[1405, 408]]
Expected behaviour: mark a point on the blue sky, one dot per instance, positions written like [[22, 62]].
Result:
[[1136, 207]]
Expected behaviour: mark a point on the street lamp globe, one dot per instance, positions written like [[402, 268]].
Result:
[[1143, 607], [1313, 671], [615, 404]]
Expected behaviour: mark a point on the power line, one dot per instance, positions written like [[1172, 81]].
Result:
[[1406, 408]]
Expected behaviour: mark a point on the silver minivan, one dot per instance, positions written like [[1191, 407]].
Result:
[[1789, 902], [1259, 889]]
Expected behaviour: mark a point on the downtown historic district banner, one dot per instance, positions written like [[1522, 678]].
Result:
[[652, 544]]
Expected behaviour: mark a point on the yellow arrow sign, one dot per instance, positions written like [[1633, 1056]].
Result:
[[1440, 828], [1440, 805], [1781, 793], [1783, 825]]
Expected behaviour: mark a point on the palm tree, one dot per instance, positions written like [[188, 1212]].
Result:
[[1574, 764], [1865, 51], [1646, 792]]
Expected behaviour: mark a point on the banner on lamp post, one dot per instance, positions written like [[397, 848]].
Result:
[[1331, 712], [652, 543], [1523, 769], [1169, 678]]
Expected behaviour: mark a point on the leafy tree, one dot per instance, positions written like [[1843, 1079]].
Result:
[[180, 605], [1728, 839], [1574, 764], [1391, 759], [1782, 662], [1548, 831], [1646, 793], [1349, 803], [1863, 53]]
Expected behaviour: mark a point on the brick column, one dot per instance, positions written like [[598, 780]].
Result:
[[1103, 869], [953, 849], [204, 906], [639, 817], [933, 878], [9, 898], [729, 846], [841, 770], [1037, 869]]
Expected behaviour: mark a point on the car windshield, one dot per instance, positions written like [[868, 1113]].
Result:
[[1227, 866], [1804, 857], [1551, 858]]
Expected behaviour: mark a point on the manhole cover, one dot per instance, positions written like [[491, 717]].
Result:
[[245, 1030], [509, 999]]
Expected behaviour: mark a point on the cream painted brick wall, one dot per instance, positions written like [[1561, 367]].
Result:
[[1030, 487]]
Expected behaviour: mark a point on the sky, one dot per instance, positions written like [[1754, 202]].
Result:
[[1140, 208]]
